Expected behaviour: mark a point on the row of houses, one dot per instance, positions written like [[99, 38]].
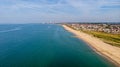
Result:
[[107, 28]]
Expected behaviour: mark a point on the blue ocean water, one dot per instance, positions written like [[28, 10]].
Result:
[[45, 45]]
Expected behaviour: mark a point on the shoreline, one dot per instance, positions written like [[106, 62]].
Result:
[[109, 52]]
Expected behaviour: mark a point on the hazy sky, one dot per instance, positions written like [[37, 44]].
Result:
[[36, 11]]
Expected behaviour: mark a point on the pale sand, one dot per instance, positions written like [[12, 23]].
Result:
[[110, 52]]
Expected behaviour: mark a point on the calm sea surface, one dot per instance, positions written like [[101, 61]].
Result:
[[45, 45]]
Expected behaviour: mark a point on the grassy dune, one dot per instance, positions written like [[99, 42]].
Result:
[[113, 39]]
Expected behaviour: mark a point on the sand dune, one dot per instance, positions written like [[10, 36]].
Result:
[[110, 52]]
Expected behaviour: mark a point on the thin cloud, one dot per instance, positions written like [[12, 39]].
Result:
[[77, 10]]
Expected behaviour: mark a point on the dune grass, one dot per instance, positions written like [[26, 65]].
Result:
[[113, 39]]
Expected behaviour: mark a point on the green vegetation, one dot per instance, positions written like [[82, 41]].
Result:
[[113, 39]]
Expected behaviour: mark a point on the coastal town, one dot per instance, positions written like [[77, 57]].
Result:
[[106, 42], [99, 27]]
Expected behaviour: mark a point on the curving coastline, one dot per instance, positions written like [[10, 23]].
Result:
[[110, 52]]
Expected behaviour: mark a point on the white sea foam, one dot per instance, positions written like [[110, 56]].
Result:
[[10, 30]]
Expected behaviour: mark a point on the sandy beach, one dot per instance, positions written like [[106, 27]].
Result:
[[108, 51]]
